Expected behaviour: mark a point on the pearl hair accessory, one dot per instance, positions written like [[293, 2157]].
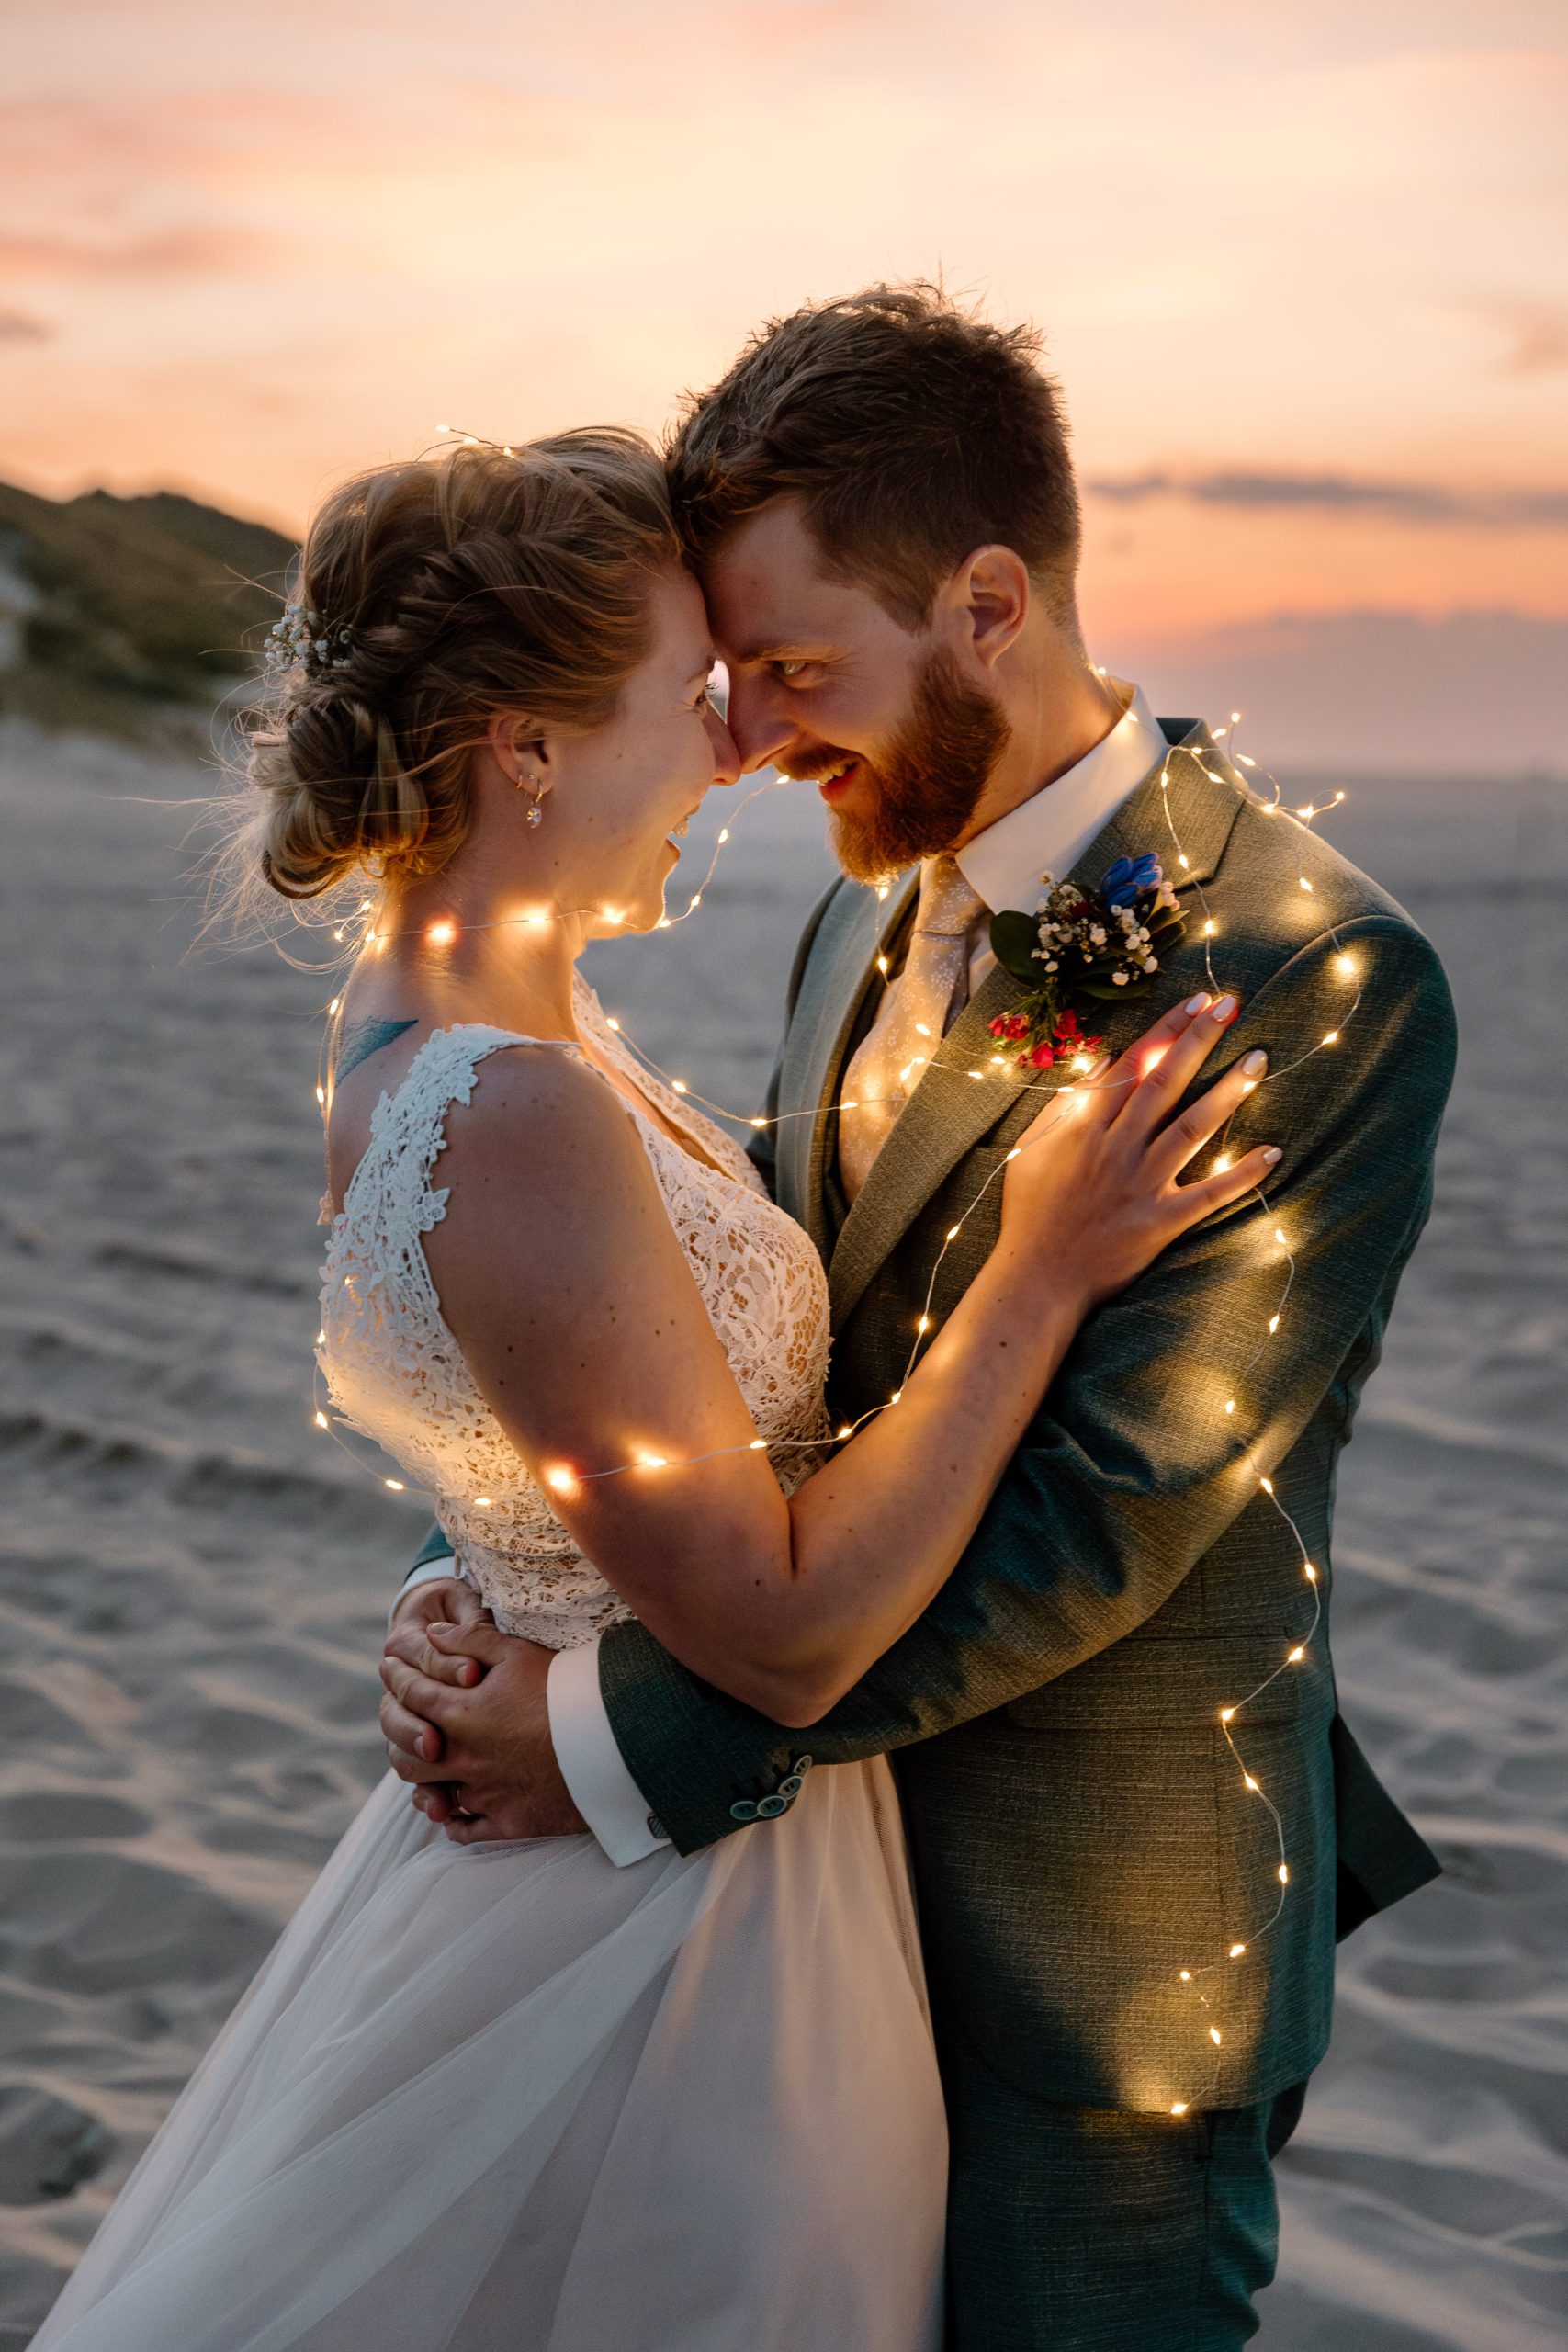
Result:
[[566, 1481], [302, 639]]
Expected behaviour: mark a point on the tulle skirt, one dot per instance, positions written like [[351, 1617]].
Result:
[[511, 2098]]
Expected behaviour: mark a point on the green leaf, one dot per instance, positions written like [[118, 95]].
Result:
[[1014, 938]]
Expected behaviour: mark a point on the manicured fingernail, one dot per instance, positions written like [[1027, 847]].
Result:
[[1272, 1154], [1224, 1008], [1253, 1062], [1196, 1003]]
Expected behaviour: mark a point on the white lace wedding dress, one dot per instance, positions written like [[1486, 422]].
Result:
[[509, 2097]]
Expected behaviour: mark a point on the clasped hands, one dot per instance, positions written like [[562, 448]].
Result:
[[465, 1721]]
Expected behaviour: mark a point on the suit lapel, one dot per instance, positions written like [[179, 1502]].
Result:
[[833, 991], [1183, 809]]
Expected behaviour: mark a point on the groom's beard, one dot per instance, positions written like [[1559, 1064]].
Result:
[[927, 785]]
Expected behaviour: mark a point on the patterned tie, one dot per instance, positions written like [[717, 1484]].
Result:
[[915, 1016]]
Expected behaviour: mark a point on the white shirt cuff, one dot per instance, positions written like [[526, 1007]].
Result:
[[591, 1764], [427, 1572]]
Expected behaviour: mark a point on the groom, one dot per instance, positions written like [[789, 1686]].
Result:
[[879, 501]]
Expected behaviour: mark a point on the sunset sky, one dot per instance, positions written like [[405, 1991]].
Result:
[[1303, 270]]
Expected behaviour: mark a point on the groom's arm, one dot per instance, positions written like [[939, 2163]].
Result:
[[1132, 1470]]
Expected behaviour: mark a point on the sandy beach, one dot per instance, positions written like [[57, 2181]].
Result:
[[193, 1580]]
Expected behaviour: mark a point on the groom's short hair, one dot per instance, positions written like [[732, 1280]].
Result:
[[910, 431]]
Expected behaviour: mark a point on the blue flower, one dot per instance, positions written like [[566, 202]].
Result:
[[1129, 878]]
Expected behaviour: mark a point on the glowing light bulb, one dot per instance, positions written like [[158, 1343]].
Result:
[[920, 1029], [680, 1086], [1306, 884], [334, 1004], [538, 920], [560, 1480], [395, 1486], [759, 1122], [1296, 1655], [1184, 862], [1236, 1950], [882, 966], [1280, 1238], [1214, 2035], [1222, 1165], [321, 1093], [696, 902], [484, 1502], [758, 1445], [664, 923], [924, 1324], [322, 1421], [724, 836], [611, 1023], [1266, 1485], [1210, 928], [1252, 1784], [654, 1461], [1178, 2107], [612, 914], [897, 1397], [1187, 1976], [1230, 1404], [1346, 966], [1083, 1061], [1273, 1322], [1227, 1713], [953, 1231], [1309, 1572], [845, 1432], [1331, 1037], [441, 933], [882, 889], [1284, 1875]]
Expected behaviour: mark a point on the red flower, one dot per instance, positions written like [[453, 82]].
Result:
[[1041, 1057]]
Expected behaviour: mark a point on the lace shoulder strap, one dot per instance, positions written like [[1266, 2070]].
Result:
[[389, 1194]]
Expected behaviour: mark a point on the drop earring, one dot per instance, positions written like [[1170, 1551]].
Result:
[[537, 813]]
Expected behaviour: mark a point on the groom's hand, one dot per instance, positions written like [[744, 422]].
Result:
[[477, 1754]]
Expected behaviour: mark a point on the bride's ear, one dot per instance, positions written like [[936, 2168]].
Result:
[[526, 761]]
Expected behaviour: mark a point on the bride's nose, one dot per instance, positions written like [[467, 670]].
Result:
[[727, 757]]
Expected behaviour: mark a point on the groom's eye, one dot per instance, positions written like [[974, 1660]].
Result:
[[790, 670]]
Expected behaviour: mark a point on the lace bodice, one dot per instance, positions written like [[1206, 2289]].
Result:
[[395, 1372]]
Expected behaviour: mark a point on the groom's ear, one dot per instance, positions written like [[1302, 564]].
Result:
[[988, 597]]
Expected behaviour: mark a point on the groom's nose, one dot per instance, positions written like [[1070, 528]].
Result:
[[761, 728]]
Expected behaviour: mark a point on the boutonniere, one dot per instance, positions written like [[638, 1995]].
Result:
[[1089, 945]]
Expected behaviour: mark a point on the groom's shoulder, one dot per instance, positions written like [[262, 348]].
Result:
[[1292, 882]]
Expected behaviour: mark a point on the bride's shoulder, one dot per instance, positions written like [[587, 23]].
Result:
[[538, 1125]]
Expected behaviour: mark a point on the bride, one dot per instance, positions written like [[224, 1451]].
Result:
[[500, 2097]]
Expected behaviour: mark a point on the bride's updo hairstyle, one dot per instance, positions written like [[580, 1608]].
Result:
[[434, 596]]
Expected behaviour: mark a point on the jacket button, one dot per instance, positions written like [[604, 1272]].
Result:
[[771, 1808], [803, 1763], [744, 1811], [790, 1788], [655, 1827]]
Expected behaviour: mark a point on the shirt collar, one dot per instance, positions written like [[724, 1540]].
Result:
[[1050, 832]]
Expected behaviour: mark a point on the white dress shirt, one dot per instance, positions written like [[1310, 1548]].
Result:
[[1046, 834]]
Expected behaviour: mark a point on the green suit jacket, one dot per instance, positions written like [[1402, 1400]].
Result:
[[1080, 1830]]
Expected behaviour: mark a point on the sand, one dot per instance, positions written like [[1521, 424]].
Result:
[[194, 1578]]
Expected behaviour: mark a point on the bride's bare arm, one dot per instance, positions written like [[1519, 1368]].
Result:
[[565, 1285]]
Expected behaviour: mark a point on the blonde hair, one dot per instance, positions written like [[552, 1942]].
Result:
[[452, 590]]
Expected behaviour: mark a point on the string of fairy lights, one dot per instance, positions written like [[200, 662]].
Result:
[[566, 1482]]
